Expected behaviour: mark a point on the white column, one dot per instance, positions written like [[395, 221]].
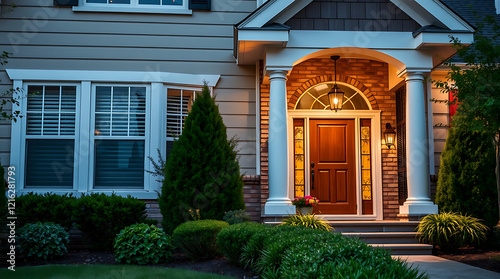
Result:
[[278, 202], [417, 153]]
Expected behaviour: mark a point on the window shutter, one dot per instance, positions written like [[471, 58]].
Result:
[[199, 4], [65, 2]]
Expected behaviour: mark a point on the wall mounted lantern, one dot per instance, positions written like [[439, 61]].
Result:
[[389, 135], [336, 96]]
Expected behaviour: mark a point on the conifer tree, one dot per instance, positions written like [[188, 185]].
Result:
[[202, 170], [466, 181]]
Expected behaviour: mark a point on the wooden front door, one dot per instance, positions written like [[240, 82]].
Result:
[[333, 166]]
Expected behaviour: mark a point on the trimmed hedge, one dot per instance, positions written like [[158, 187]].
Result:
[[232, 239], [102, 217], [43, 240], [143, 244], [297, 252], [48, 207], [198, 239]]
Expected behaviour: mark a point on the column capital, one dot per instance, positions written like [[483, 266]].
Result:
[[277, 72], [414, 74]]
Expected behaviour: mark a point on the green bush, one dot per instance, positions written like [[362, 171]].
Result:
[[232, 239], [202, 170], [143, 244], [308, 221], [251, 252], [198, 239], [466, 180], [341, 257], [48, 207], [451, 230], [237, 216], [102, 217], [43, 240]]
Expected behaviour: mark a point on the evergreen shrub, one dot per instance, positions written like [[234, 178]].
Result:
[[43, 240], [143, 244], [198, 239], [48, 207], [202, 170], [466, 180], [308, 221], [232, 239], [102, 217], [237, 216]]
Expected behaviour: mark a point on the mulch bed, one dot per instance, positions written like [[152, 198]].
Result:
[[484, 258], [89, 257]]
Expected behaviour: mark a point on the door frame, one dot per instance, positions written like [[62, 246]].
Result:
[[376, 147]]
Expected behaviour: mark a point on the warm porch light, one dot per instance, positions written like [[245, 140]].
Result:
[[389, 135], [336, 96]]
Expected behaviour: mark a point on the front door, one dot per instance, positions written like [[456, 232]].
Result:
[[333, 166]]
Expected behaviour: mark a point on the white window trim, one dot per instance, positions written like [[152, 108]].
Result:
[[93, 138], [133, 7], [158, 83], [19, 146]]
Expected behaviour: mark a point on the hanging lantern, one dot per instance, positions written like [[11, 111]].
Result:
[[336, 96]]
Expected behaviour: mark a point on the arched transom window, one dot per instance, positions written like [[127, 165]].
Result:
[[316, 98]]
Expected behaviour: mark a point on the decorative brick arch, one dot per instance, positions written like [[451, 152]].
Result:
[[329, 78]]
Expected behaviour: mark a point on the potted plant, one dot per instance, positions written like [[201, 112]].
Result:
[[305, 204]]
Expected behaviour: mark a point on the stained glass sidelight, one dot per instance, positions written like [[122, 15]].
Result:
[[366, 179], [299, 164]]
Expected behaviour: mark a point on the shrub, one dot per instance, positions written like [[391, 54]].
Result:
[[450, 230], [467, 175], [341, 257], [237, 216], [308, 221], [43, 240], [48, 207], [252, 251], [143, 244], [102, 217], [232, 239], [202, 169], [198, 239]]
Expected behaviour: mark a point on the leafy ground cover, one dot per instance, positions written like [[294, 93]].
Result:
[[104, 272]]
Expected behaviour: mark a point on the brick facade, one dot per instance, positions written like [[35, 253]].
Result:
[[368, 76]]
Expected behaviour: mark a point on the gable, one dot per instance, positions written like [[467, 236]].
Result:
[[347, 15]]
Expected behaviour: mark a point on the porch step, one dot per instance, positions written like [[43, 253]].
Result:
[[406, 249], [373, 226], [385, 237]]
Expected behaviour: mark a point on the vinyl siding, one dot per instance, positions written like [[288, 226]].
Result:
[[441, 113], [41, 36]]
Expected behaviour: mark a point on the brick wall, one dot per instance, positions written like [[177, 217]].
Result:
[[371, 78], [251, 193]]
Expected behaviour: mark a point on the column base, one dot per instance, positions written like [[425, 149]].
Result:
[[279, 207], [418, 209]]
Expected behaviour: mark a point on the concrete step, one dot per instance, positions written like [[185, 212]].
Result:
[[406, 249], [373, 226], [385, 237]]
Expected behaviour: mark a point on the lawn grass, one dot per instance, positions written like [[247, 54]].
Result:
[[104, 272]]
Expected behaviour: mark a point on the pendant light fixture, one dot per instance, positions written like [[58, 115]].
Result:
[[336, 96]]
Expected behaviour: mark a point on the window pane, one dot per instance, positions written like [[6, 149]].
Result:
[[34, 124], [119, 1], [49, 163], [119, 164], [120, 99], [67, 124], [137, 124], [98, 1], [35, 98], [171, 2], [138, 99], [102, 124], [119, 124], [149, 2], [51, 98], [68, 98], [51, 124], [103, 98]]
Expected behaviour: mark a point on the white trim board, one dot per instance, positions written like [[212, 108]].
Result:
[[113, 76]]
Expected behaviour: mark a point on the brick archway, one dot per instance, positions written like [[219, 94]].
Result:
[[327, 78]]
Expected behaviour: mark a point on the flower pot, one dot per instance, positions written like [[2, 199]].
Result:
[[305, 210]]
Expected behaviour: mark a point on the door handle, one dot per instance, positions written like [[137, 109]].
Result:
[[312, 176]]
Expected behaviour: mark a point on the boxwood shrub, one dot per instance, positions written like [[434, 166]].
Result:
[[143, 244], [43, 240], [48, 207], [232, 239], [102, 217], [198, 239]]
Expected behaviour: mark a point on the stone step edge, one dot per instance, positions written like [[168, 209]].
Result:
[[381, 234], [404, 246]]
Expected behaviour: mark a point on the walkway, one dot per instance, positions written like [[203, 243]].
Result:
[[439, 268]]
